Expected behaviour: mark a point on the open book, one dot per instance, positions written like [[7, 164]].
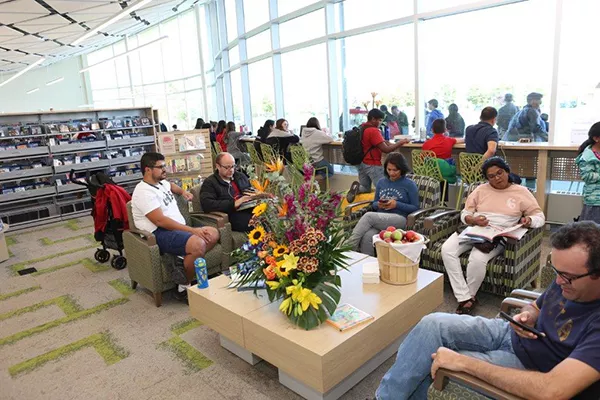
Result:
[[490, 232], [347, 316]]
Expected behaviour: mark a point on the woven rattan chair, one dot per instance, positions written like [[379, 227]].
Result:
[[268, 152], [300, 157], [151, 269], [517, 267], [470, 170]]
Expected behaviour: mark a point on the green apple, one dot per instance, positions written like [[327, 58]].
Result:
[[387, 235], [397, 235]]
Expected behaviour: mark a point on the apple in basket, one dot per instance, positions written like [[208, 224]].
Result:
[[391, 228], [412, 236], [385, 235], [397, 235]]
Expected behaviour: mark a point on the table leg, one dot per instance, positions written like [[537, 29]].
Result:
[[239, 351], [542, 185], [348, 383]]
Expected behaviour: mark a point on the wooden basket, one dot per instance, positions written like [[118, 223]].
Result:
[[395, 268]]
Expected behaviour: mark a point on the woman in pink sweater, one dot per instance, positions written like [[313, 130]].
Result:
[[499, 203]]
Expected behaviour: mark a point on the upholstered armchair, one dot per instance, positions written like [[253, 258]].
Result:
[[153, 270], [517, 267]]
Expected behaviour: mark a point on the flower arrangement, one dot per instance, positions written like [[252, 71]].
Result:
[[296, 248]]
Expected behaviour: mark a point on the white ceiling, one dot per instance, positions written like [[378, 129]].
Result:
[[30, 29]]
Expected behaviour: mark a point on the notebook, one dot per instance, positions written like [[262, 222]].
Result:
[[347, 316]]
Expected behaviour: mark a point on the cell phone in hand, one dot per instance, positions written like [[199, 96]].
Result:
[[384, 201], [521, 325]]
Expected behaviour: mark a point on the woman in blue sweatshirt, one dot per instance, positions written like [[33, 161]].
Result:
[[396, 196]]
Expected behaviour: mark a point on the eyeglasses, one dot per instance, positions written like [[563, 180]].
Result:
[[497, 174], [570, 278], [163, 167], [227, 167]]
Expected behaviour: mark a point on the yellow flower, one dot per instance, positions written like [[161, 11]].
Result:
[[290, 262], [276, 166], [273, 285], [259, 209], [280, 250], [286, 306], [256, 235], [309, 299]]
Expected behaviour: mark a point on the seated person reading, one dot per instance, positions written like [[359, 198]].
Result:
[[229, 191], [155, 210], [564, 364], [499, 203]]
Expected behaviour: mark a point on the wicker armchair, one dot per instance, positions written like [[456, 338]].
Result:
[[219, 220], [429, 199], [460, 385], [151, 269], [515, 268]]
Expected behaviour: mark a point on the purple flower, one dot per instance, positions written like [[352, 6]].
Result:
[[308, 172], [302, 193], [289, 199]]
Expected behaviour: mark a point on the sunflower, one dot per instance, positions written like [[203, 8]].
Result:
[[280, 250], [259, 209], [256, 235]]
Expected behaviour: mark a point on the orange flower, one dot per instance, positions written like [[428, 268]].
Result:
[[276, 166], [258, 186], [270, 273], [271, 260], [273, 244], [283, 210], [262, 254]]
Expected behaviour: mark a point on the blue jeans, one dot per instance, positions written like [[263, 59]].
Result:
[[321, 170], [478, 337], [367, 175]]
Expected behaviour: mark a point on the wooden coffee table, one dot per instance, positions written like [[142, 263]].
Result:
[[322, 363]]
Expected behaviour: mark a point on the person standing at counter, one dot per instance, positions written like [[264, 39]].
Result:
[[588, 161], [455, 122], [402, 120], [434, 114], [528, 123], [482, 138], [505, 114]]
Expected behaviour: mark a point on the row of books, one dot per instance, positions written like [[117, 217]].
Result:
[[184, 163], [21, 165], [80, 125]]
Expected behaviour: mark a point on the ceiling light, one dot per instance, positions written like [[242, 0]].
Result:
[[111, 21], [27, 68], [124, 54], [55, 81], [33, 90]]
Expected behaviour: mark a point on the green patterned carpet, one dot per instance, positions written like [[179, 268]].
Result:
[[76, 330]]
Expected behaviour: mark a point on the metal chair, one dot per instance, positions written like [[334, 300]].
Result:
[[470, 169], [300, 157], [425, 163]]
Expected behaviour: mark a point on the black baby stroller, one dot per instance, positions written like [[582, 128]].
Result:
[[110, 215]]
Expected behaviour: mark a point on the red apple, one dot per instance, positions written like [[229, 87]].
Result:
[[387, 240], [411, 236], [381, 235], [397, 235], [390, 229]]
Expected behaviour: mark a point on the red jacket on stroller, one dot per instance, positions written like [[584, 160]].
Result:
[[118, 198]]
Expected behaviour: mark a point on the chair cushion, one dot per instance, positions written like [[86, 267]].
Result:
[[454, 390]]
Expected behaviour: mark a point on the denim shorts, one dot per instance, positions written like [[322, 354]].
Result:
[[172, 242]]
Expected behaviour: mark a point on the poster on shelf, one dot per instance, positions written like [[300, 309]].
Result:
[[166, 142]]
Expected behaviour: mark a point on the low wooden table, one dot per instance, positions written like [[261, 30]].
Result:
[[322, 363]]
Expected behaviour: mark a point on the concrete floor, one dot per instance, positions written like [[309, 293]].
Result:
[[74, 330]]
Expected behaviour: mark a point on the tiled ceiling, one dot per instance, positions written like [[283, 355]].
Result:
[[30, 29]]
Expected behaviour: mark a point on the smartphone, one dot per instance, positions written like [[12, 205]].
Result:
[[521, 325], [384, 200]]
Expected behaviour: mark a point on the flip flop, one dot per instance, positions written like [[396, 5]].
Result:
[[463, 309], [351, 195]]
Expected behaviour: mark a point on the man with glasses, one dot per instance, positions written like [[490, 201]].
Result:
[[155, 210], [228, 191], [562, 365]]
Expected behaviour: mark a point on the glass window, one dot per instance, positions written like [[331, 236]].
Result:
[[134, 62], [231, 20], [305, 98], [195, 107], [193, 83], [209, 61], [259, 44], [190, 57], [148, 35], [234, 56], [122, 71], [174, 87], [211, 95], [236, 95], [518, 62], [261, 92], [303, 28], [103, 76], [171, 50], [151, 60], [393, 79], [287, 6], [256, 12], [578, 79], [431, 5], [357, 15], [178, 113]]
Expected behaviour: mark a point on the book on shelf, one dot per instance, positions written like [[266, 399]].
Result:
[[490, 232], [187, 183], [194, 162], [347, 316]]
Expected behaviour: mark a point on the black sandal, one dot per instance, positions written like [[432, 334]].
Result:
[[351, 195], [466, 307]]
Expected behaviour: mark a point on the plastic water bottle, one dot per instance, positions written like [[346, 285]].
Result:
[[201, 273]]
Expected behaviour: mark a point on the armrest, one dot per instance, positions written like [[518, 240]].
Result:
[[432, 220], [512, 302], [414, 216], [349, 207], [531, 232], [217, 219], [443, 375], [149, 236], [525, 294]]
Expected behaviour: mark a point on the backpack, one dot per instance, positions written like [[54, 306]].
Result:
[[352, 148]]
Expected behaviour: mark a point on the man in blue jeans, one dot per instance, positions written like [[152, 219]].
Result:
[[564, 364], [155, 210]]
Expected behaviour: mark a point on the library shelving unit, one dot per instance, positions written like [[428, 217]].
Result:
[[187, 155], [39, 149]]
